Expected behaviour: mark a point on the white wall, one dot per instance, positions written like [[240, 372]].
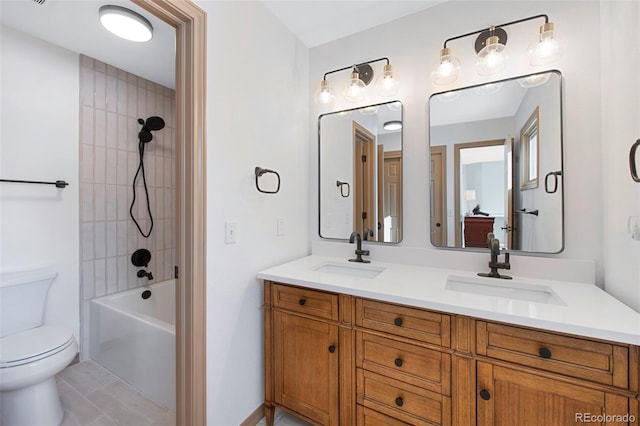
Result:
[[257, 115], [39, 141], [412, 44], [621, 127]]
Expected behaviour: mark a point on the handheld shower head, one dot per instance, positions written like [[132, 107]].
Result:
[[153, 123]]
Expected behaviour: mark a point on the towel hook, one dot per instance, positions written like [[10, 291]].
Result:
[[342, 185], [259, 171]]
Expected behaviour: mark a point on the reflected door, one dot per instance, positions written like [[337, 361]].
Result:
[[438, 191], [392, 195], [364, 212]]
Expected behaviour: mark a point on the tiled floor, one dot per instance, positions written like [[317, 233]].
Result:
[[92, 396], [284, 419]]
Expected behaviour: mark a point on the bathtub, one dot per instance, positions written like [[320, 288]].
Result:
[[135, 339]]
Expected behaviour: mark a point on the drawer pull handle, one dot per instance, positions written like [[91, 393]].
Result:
[[544, 353], [332, 349], [484, 394], [301, 302], [398, 362], [398, 321], [399, 402]]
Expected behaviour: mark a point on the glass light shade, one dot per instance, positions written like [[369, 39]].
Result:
[[534, 80], [448, 70], [354, 89], [125, 23], [387, 84], [492, 58], [546, 49], [324, 95], [370, 110], [489, 88]]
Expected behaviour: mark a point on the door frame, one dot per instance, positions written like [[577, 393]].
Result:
[[366, 178], [190, 23], [456, 179], [441, 152]]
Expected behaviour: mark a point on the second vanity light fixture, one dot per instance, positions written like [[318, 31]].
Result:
[[361, 75], [490, 48]]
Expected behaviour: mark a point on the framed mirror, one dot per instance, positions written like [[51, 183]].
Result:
[[496, 165], [360, 173]]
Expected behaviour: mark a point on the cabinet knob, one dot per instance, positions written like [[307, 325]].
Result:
[[399, 402], [398, 321], [484, 394], [398, 362], [332, 348], [544, 353], [302, 302]]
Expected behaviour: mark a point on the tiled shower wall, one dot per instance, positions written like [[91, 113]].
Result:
[[111, 101]]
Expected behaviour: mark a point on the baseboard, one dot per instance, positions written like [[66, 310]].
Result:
[[254, 417]]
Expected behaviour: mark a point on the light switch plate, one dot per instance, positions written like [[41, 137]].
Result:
[[230, 231]]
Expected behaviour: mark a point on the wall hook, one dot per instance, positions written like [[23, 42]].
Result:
[[259, 171]]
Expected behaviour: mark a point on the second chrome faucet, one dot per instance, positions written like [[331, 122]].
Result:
[[355, 236]]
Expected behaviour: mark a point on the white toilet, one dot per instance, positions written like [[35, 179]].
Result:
[[31, 354]]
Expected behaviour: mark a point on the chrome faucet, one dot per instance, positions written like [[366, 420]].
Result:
[[494, 265], [355, 236], [143, 273]]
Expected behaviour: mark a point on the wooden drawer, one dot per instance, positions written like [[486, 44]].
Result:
[[418, 324], [303, 300], [416, 365], [368, 417], [595, 361], [402, 401]]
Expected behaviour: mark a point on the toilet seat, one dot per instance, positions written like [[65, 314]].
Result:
[[32, 345]]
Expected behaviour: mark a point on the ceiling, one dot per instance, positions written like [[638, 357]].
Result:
[[74, 25]]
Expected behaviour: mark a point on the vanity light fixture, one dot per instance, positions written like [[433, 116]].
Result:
[[125, 23], [360, 77], [392, 125], [490, 47]]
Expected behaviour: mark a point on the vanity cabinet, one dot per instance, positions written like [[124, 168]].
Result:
[[403, 364], [533, 377], [302, 353], [335, 359]]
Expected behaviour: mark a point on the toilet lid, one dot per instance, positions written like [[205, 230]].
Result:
[[33, 344]]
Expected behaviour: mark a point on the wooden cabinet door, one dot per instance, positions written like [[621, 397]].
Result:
[[306, 366], [508, 396]]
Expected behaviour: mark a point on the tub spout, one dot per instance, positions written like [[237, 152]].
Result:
[[143, 273]]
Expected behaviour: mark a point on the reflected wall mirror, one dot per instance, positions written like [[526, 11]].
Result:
[[360, 173], [496, 165]]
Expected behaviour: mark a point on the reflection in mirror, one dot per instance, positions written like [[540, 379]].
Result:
[[360, 155], [491, 147]]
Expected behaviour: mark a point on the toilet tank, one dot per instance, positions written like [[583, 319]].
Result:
[[22, 299]]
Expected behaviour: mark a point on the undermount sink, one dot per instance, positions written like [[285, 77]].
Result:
[[514, 290], [352, 270]]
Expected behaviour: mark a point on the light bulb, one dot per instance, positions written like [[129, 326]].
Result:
[[448, 70], [354, 90], [546, 49], [387, 84], [492, 58], [324, 95]]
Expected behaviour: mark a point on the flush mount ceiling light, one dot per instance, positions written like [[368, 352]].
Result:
[[361, 76], [392, 125], [490, 48], [125, 23]]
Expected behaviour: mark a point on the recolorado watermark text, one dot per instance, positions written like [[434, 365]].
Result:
[[604, 418]]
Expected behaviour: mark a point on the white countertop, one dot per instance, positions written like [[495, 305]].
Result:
[[583, 309]]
